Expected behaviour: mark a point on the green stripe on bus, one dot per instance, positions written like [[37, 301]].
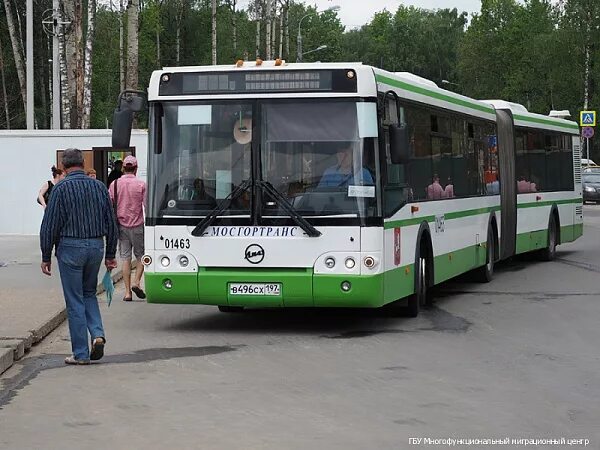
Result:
[[550, 202], [432, 94], [474, 212], [468, 104], [408, 222], [470, 212], [570, 126]]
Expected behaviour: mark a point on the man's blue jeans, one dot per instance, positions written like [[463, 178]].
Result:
[[79, 262]]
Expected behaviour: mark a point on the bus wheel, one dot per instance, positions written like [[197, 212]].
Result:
[[422, 295], [549, 253], [231, 309], [484, 274]]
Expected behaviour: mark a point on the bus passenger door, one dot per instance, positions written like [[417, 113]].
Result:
[[508, 191]]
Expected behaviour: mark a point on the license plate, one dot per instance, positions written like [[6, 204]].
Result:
[[254, 288]]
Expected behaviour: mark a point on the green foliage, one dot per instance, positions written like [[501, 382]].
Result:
[[525, 51]]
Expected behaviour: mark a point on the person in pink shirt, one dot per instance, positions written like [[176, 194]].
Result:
[[128, 194], [449, 189], [435, 191], [524, 186]]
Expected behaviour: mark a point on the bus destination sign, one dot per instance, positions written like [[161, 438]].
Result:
[[269, 81]]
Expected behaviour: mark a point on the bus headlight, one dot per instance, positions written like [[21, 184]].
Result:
[[183, 261], [589, 189], [349, 263], [165, 261], [330, 262]]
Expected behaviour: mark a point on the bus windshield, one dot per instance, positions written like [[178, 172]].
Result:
[[320, 157]]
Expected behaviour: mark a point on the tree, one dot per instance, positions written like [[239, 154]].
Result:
[[232, 5], [489, 49], [122, 65], [87, 78], [17, 46], [4, 97], [64, 86], [131, 78], [214, 31]]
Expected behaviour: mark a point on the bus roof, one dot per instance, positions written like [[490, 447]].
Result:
[[371, 80], [422, 90], [524, 118]]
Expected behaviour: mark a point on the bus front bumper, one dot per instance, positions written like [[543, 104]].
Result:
[[298, 288]]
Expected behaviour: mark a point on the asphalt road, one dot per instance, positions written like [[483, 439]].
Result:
[[518, 358]]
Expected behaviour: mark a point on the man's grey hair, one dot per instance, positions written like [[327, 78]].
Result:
[[72, 157]]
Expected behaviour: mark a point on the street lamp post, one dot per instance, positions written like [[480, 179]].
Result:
[[449, 82], [299, 38], [455, 88], [318, 49]]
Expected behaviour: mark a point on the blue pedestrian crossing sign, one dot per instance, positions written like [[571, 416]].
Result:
[[587, 118]]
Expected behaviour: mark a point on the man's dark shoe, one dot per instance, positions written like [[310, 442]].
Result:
[[139, 292], [127, 299], [97, 349]]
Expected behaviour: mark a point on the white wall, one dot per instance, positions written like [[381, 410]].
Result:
[[26, 157]]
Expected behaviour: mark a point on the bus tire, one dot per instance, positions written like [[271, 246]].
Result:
[[549, 253], [485, 273], [231, 309], [422, 296]]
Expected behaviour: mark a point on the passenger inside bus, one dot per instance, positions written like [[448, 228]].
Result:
[[524, 186], [449, 189], [342, 173], [435, 191], [199, 191]]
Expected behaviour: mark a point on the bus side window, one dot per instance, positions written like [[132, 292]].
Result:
[[396, 191]]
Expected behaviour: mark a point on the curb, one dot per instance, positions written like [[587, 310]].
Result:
[[6, 358], [12, 348]]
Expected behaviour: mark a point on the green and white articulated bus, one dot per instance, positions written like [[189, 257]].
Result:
[[341, 185]]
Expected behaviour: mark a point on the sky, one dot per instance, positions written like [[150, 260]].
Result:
[[355, 13]]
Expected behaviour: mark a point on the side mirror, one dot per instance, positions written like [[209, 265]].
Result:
[[129, 102], [121, 128], [399, 144]]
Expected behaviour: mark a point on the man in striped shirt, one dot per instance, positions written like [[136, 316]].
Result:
[[77, 218]]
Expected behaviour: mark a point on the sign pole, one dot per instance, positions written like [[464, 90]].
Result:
[[587, 149]]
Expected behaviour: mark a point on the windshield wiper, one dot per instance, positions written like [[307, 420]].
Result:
[[292, 212], [211, 216]]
